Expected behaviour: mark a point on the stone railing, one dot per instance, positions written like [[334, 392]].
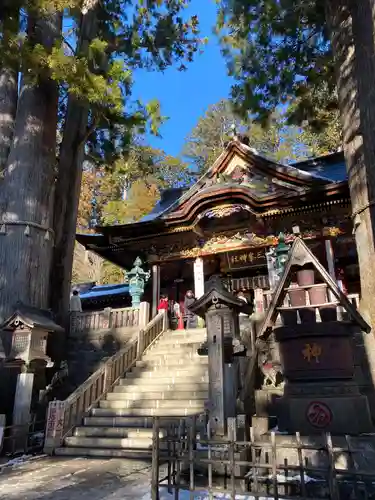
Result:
[[63, 416], [106, 318]]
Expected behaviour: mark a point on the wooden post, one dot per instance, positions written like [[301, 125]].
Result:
[[155, 460], [155, 288], [54, 432], [108, 376]]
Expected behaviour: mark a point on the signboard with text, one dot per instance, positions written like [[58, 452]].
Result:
[[246, 258]]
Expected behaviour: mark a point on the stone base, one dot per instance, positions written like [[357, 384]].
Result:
[[266, 401], [338, 415]]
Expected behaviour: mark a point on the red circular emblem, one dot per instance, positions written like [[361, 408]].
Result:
[[318, 414]]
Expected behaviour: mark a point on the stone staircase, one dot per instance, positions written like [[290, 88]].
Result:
[[170, 380]]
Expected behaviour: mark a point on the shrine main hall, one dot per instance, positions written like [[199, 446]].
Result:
[[231, 217]]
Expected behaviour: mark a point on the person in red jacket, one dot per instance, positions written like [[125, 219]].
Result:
[[163, 304]]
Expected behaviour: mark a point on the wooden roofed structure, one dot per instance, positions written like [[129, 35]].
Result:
[[234, 213]]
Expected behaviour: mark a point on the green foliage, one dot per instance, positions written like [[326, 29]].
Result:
[[215, 129], [130, 35], [130, 188], [278, 52], [112, 274]]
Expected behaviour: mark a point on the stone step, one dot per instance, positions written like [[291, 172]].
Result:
[[159, 378], [178, 349], [70, 451], [151, 385], [152, 403], [157, 394], [166, 371], [181, 339], [202, 331], [172, 361], [109, 443], [129, 422], [146, 412], [119, 432]]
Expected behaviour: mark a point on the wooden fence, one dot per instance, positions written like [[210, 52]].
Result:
[[274, 466], [63, 416]]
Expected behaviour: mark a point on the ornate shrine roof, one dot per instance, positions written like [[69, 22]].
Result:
[[239, 180]]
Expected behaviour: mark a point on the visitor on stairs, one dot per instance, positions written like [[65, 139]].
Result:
[[190, 318], [243, 316], [164, 306], [75, 302]]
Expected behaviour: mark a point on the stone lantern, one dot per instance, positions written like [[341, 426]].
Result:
[[24, 338], [220, 310], [137, 279]]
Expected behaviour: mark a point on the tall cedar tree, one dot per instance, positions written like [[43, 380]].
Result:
[[75, 60], [285, 51]]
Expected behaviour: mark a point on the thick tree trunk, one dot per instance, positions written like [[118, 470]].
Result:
[[8, 80], [27, 189], [8, 107], [353, 35], [69, 180]]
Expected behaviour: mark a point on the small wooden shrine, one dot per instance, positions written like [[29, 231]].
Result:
[[309, 333], [233, 215]]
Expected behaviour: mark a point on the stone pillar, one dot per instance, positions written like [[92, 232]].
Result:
[[144, 314], [199, 283], [2, 427], [258, 300], [198, 278], [331, 265], [330, 258], [271, 267], [155, 288], [21, 409]]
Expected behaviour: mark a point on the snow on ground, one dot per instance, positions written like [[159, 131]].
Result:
[[202, 495]]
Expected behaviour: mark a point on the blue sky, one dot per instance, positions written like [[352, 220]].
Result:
[[184, 96]]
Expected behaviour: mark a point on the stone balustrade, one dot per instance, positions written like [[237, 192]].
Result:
[[108, 318], [63, 416]]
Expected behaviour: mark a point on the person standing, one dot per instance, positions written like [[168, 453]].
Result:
[[190, 317], [75, 302]]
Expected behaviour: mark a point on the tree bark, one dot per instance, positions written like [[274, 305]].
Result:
[[26, 193], [69, 179], [352, 33], [8, 107], [8, 80]]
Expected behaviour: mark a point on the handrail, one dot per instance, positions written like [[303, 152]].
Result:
[[63, 416]]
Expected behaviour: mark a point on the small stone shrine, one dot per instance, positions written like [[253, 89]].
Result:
[[313, 326], [220, 310]]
